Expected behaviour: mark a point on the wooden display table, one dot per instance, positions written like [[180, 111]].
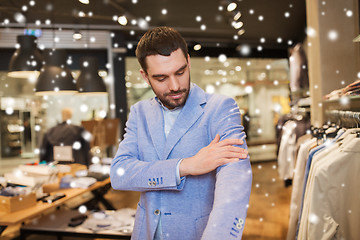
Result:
[[7, 219], [56, 224]]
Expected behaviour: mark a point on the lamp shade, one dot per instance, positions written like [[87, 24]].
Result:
[[27, 59], [89, 81], [55, 77]]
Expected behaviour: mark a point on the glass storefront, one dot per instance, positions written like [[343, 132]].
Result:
[[260, 87]]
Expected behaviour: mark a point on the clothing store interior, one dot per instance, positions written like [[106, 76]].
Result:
[[293, 68]]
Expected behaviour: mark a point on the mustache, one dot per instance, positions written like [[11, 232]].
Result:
[[175, 92]]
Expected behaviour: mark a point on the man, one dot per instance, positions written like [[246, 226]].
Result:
[[183, 150], [68, 135]]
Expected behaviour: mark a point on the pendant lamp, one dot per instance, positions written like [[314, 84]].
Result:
[[89, 81], [55, 77], [27, 60]]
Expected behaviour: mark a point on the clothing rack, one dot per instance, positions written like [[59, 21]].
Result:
[[347, 119]]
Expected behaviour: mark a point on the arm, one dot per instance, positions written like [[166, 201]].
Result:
[[233, 180], [129, 172]]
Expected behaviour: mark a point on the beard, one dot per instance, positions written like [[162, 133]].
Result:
[[171, 103]]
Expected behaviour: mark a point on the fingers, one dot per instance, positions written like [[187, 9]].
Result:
[[216, 139], [238, 154], [231, 142]]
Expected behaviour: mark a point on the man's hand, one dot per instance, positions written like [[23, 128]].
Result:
[[212, 156]]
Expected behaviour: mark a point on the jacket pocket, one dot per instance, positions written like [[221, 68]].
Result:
[[139, 221]]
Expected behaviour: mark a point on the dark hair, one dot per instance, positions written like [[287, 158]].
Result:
[[159, 40]]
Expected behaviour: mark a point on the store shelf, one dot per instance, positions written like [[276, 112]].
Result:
[[351, 103]]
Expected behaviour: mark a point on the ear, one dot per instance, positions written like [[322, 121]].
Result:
[[144, 76]]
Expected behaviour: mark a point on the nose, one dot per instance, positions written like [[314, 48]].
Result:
[[174, 84]]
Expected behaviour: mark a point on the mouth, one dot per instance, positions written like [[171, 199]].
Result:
[[175, 96]]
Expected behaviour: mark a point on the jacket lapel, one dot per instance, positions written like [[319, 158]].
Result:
[[155, 122], [189, 114]]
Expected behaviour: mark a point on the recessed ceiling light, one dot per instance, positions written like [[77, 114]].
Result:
[[197, 47], [77, 35], [81, 14], [122, 20], [84, 1], [231, 7], [241, 32], [238, 25], [237, 16]]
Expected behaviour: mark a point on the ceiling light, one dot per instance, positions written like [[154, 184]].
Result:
[[237, 16], [27, 60], [89, 81], [122, 20], [84, 1], [77, 35], [197, 47], [241, 32], [238, 25], [81, 14], [231, 7], [55, 77]]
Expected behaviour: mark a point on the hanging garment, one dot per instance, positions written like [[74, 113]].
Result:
[[287, 151], [299, 79], [298, 181], [331, 202]]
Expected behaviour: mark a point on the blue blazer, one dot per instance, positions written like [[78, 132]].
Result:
[[209, 206]]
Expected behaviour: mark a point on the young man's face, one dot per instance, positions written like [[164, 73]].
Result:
[[169, 77]]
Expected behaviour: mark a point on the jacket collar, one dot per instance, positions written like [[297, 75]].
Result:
[[191, 111]]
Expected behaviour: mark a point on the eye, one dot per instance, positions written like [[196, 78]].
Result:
[[180, 73], [160, 79]]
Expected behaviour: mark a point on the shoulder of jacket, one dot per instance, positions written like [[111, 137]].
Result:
[[218, 98]]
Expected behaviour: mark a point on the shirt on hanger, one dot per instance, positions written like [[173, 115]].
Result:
[[333, 197]]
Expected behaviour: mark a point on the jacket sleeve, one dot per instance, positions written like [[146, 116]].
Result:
[[233, 181], [130, 173]]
